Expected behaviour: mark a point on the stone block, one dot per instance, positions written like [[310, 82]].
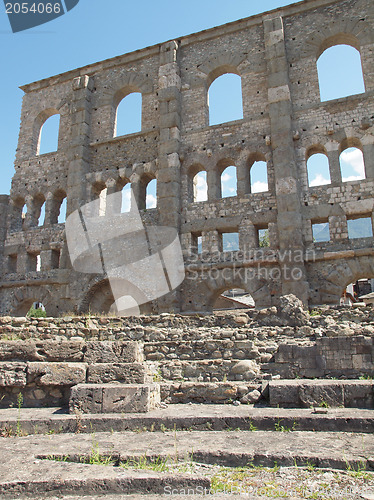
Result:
[[65, 374], [128, 373], [87, 398], [51, 351], [114, 398], [319, 392], [17, 351], [284, 393], [358, 394], [12, 374], [113, 352]]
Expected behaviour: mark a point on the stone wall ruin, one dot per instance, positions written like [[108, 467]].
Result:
[[284, 123]]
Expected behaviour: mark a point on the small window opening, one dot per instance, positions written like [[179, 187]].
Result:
[[360, 228], [200, 187], [352, 165], [321, 232], [48, 138], [318, 170], [126, 198], [340, 72], [129, 115], [225, 100], [151, 194], [230, 242], [62, 213], [12, 263], [229, 182], [259, 177]]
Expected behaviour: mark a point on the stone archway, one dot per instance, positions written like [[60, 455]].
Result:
[[98, 299]]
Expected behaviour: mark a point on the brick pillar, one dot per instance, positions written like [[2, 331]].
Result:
[[211, 242], [287, 187], [338, 227], [248, 236], [168, 176]]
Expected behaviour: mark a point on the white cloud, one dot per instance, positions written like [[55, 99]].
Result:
[[259, 187], [354, 158], [151, 201], [201, 188], [126, 200], [225, 177], [319, 180]]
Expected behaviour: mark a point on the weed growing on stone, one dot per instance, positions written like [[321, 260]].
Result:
[[282, 428], [57, 458], [157, 464], [19, 406], [157, 376], [252, 427]]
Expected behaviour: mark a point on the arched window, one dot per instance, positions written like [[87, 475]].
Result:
[[352, 164], [129, 115], [41, 218], [229, 182], [225, 100], [340, 72], [102, 202], [258, 177], [62, 212], [200, 186], [126, 198], [48, 137], [151, 194], [318, 170]]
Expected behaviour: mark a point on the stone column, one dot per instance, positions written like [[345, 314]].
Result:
[[50, 210], [287, 187], [211, 242], [79, 148], [169, 165], [368, 152], [248, 236], [338, 227], [113, 198], [273, 235], [22, 261], [4, 208], [334, 164], [214, 184], [29, 220], [243, 179]]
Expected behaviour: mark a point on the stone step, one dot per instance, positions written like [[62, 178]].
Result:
[[71, 351], [203, 349], [216, 370], [48, 465], [323, 393], [114, 398], [187, 417]]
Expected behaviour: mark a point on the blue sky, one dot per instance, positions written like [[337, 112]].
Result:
[[93, 31]]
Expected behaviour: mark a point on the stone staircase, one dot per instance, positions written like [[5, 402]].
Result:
[[93, 376], [193, 394]]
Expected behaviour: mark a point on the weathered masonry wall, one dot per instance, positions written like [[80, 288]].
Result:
[[284, 122]]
